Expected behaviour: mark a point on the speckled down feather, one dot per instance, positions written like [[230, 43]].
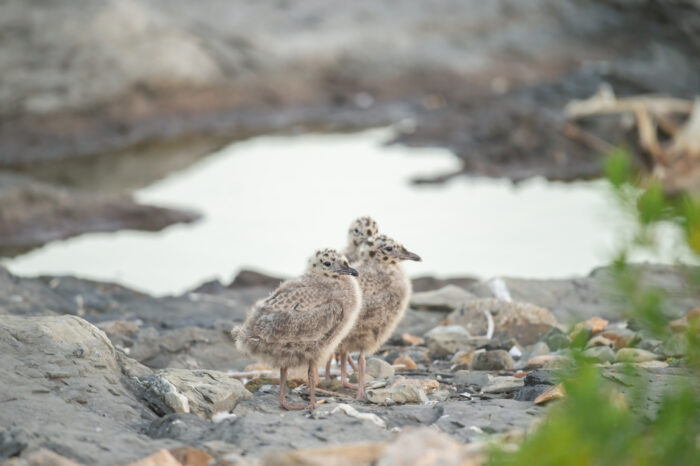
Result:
[[386, 290], [302, 321]]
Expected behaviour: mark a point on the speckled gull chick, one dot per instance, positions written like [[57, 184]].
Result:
[[360, 230], [303, 320], [386, 290]]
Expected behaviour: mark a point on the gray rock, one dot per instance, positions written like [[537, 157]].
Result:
[[178, 331], [96, 403], [400, 394], [445, 340], [379, 368], [530, 392], [439, 395], [260, 427], [495, 360], [556, 339], [503, 384], [676, 346], [649, 344], [525, 322], [479, 378], [635, 355], [536, 383], [448, 298], [599, 340], [12, 443], [540, 377], [577, 299], [492, 416], [504, 344], [600, 353], [201, 392], [538, 349]]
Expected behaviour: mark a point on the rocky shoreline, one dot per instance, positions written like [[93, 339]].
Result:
[[34, 213], [100, 374]]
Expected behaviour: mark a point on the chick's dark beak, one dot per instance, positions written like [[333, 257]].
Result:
[[346, 271], [409, 256]]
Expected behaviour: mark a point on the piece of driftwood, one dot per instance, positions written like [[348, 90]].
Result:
[[675, 160], [605, 102]]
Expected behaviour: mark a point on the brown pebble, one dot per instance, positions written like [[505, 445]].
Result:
[[553, 393], [159, 458], [548, 360], [189, 456], [595, 324], [682, 324], [408, 363], [411, 339]]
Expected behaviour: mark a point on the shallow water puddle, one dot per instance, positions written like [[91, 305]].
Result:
[[270, 201]]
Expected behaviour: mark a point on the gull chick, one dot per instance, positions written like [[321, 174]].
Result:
[[360, 230], [303, 320], [386, 290]]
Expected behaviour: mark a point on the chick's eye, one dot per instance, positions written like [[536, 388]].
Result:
[[389, 249], [327, 264], [357, 231]]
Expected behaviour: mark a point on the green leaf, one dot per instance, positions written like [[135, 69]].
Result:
[[617, 167]]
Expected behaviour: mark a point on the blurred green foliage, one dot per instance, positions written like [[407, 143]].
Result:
[[595, 423]]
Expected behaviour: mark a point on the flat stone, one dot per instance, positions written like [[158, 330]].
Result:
[[463, 358], [503, 384], [538, 349], [540, 377], [649, 344], [635, 355], [426, 385], [600, 353], [479, 378], [523, 321], [548, 361], [495, 360], [445, 340], [531, 392], [552, 393], [97, 401], [620, 337], [439, 395], [583, 331], [406, 361], [411, 339], [399, 394], [599, 340], [675, 346], [379, 368], [556, 339], [198, 391]]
